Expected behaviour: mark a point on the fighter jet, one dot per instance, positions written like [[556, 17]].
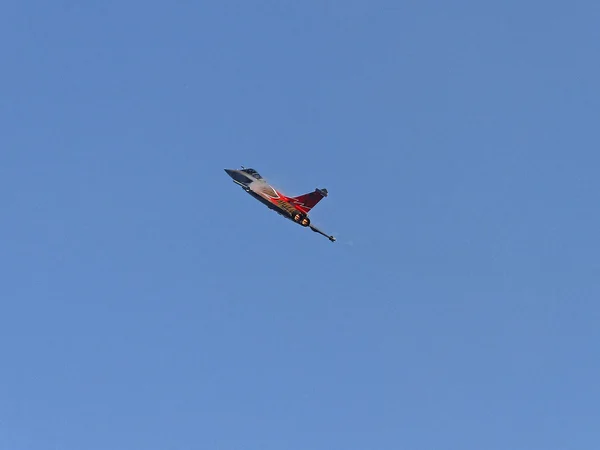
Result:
[[295, 209]]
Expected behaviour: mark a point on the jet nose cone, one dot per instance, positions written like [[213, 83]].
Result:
[[238, 176]]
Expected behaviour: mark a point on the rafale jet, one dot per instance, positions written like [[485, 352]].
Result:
[[295, 209]]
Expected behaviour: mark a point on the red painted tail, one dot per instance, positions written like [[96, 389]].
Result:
[[307, 202]]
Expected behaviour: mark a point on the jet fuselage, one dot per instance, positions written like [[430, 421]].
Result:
[[295, 209]]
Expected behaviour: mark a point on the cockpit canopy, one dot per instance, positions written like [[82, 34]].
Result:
[[253, 173]]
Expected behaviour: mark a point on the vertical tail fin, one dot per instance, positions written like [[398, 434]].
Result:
[[308, 201]]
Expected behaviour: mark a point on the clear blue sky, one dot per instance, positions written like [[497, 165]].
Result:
[[148, 303]]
